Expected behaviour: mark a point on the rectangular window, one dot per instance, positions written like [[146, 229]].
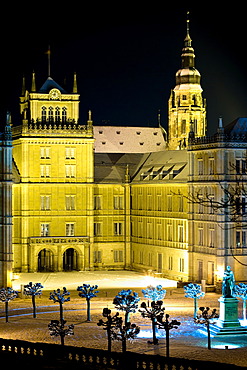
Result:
[[44, 229], [181, 264], [200, 236], [97, 258], [211, 238], [97, 202], [70, 170], [159, 232], [180, 233], [45, 152], [141, 257], [70, 229], [149, 230], [118, 228], [70, 153], [45, 170], [70, 202], [159, 202], [150, 259], [200, 166], [169, 232], [211, 166], [169, 203], [170, 263], [97, 227], [45, 202], [118, 256], [118, 202]]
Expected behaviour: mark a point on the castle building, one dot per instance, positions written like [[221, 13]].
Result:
[[88, 197]]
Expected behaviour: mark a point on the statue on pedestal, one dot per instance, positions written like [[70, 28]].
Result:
[[228, 283]]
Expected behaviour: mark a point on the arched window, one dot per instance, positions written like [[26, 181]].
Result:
[[43, 114], [57, 114], [64, 114], [50, 114]]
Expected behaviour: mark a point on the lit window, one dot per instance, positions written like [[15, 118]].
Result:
[[118, 228], [44, 229], [45, 201], [118, 256], [97, 227], [118, 202], [70, 229], [70, 202], [45, 170]]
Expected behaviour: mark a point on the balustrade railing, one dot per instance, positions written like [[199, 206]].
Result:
[[90, 358]]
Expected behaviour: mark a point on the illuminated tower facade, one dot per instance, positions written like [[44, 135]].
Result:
[[53, 193], [186, 107]]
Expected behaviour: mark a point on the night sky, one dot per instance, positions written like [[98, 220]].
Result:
[[125, 57]]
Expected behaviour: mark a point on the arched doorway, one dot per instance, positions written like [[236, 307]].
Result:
[[45, 260], [70, 260]]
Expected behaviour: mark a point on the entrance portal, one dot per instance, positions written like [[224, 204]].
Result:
[[70, 260], [45, 260]]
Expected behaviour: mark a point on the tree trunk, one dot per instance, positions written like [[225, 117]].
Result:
[[155, 340], [123, 344], [209, 339], [61, 311], [34, 306], [109, 339], [195, 308], [7, 311], [88, 310], [62, 339], [167, 344]]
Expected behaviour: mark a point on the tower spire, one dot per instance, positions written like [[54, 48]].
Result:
[[188, 56], [75, 84], [33, 87]]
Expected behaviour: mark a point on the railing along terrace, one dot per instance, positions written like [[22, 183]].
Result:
[[91, 358], [218, 138]]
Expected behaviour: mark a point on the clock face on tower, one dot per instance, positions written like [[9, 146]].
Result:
[[54, 94]]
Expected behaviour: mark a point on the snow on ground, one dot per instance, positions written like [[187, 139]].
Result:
[[187, 341], [105, 279]]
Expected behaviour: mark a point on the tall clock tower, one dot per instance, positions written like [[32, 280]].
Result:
[[187, 107]]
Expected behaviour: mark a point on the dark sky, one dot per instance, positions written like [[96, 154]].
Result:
[[125, 57]]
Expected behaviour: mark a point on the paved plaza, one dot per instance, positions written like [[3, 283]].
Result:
[[187, 341]]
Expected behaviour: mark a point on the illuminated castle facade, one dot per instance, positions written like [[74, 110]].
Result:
[[83, 198]]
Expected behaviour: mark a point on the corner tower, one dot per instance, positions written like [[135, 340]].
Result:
[[187, 108]]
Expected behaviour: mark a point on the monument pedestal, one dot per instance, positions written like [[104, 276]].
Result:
[[228, 322]]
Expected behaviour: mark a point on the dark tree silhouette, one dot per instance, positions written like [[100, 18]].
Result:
[[167, 326], [152, 312], [33, 290], [127, 302], [205, 318], [124, 332], [109, 324], [57, 328], [6, 295]]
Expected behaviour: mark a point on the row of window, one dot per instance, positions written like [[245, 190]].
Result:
[[45, 229], [117, 256], [240, 166], [169, 203], [70, 170], [178, 266], [45, 152], [70, 202], [54, 114], [149, 234]]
